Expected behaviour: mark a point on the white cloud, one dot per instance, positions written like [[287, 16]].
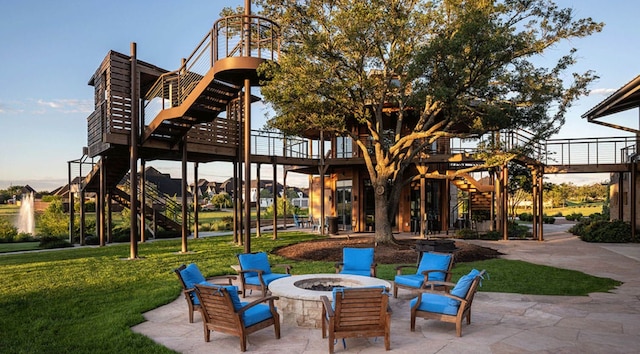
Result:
[[68, 105], [602, 91]]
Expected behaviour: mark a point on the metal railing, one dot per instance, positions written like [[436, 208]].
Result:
[[232, 36], [589, 151]]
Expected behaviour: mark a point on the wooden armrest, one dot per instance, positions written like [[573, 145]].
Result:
[[269, 299], [259, 271], [326, 304], [227, 278], [286, 267], [402, 266], [433, 283]]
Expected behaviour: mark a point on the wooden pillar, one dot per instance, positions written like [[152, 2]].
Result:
[[83, 220], [534, 197], [275, 198], [143, 201], [237, 234], [109, 211], [620, 196], [100, 219], [71, 206], [133, 156], [423, 207], [633, 185], [284, 197], [185, 215], [247, 136], [540, 204], [196, 190], [446, 212], [258, 201], [505, 202]]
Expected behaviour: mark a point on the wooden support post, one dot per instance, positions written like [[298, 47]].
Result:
[[100, 219], [540, 205], [633, 187], [275, 198], [185, 215], [133, 156], [535, 196], [258, 201], [143, 201], [71, 206], [196, 205], [247, 162], [505, 203], [423, 208]]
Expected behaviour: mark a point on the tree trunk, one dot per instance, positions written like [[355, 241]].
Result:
[[382, 219]]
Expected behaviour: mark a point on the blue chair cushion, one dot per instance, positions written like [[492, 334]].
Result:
[[410, 280], [357, 260], [233, 294], [431, 261], [268, 278], [256, 314], [462, 286], [436, 303], [191, 275], [257, 260]]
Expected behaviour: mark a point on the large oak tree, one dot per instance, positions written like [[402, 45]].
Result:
[[441, 65]]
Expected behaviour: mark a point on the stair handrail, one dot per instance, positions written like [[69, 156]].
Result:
[[172, 88]]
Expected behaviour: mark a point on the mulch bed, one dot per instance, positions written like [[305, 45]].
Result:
[[330, 250]]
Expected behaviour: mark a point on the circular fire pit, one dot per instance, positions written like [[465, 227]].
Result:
[[299, 305]]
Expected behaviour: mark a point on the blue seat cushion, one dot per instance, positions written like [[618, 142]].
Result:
[[233, 294], [257, 260], [364, 273], [268, 278], [191, 275], [462, 286], [256, 314], [433, 261], [357, 259], [435, 303], [410, 280]]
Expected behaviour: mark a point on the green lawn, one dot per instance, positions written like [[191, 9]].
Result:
[[84, 300]]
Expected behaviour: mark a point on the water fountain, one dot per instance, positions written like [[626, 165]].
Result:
[[26, 219]]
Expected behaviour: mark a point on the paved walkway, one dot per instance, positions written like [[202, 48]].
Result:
[[501, 323]]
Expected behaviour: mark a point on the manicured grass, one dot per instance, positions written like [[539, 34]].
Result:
[[84, 300], [18, 246]]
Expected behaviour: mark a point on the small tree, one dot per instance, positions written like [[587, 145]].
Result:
[[222, 200], [54, 222]]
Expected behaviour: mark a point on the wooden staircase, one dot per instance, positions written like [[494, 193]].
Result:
[[154, 212], [480, 195]]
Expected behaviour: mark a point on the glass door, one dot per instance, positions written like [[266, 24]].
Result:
[[343, 204]]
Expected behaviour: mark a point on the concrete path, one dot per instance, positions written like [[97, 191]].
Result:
[[501, 323]]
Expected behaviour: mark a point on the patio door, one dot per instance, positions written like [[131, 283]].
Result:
[[344, 204]]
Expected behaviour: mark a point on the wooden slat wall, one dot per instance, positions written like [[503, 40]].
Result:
[[119, 96], [219, 132]]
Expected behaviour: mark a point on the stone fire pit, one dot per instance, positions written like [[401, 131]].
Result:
[[300, 306]]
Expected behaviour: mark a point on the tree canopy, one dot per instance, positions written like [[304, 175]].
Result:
[[413, 71]]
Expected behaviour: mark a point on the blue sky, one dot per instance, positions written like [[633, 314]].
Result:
[[50, 49]]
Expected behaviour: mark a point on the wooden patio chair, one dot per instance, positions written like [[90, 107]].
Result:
[[191, 275], [356, 312], [357, 261], [433, 266], [222, 311], [255, 272], [448, 307]]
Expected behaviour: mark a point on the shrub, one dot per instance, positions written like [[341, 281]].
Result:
[[574, 217], [8, 232], [525, 217], [49, 242], [607, 231], [558, 214], [467, 234], [491, 235], [548, 219], [518, 231]]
